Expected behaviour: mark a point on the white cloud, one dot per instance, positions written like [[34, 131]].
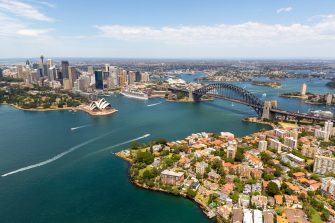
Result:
[[287, 9], [33, 32], [244, 34], [23, 10], [45, 3], [9, 26]]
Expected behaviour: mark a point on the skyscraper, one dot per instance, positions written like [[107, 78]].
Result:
[[99, 84], [145, 77], [137, 76], [107, 67], [131, 77], [50, 63], [90, 70], [72, 75], [329, 128], [52, 73], [1, 74], [65, 69]]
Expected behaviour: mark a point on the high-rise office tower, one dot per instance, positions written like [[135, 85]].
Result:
[[83, 83], [35, 65], [107, 66], [66, 84], [72, 75], [131, 77], [99, 83], [90, 70], [45, 70], [123, 78], [65, 69], [42, 70], [138, 76], [1, 74], [19, 69], [114, 81], [52, 73], [106, 75], [145, 77], [50, 63], [329, 128]]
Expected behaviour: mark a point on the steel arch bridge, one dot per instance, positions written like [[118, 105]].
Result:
[[231, 93], [239, 95]]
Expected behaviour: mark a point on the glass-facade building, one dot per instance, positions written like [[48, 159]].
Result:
[[99, 84]]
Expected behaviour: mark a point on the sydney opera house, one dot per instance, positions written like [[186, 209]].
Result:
[[100, 105]]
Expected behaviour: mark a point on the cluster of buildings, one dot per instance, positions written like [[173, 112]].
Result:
[[316, 98], [211, 166], [68, 77]]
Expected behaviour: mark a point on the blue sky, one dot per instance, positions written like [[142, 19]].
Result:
[[168, 29]]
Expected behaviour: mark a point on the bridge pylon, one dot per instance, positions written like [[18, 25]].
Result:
[[190, 94], [268, 105]]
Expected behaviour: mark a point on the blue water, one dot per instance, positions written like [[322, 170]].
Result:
[[90, 184]]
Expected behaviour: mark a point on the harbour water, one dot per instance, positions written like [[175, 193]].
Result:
[[89, 183]]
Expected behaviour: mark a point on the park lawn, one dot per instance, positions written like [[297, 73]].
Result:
[[290, 125], [316, 218]]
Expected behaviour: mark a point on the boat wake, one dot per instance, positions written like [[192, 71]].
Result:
[[122, 143], [154, 104], [60, 155], [79, 127]]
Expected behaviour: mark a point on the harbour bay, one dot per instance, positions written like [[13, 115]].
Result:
[[91, 186]]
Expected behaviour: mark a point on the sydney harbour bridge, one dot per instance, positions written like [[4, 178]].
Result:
[[236, 94]]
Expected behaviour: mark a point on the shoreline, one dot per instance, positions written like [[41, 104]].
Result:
[[180, 101], [199, 204], [305, 100], [159, 190], [258, 121], [79, 108], [294, 96]]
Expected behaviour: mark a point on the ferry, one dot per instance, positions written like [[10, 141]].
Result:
[[135, 94]]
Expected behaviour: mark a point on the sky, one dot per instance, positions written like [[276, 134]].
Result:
[[201, 29]]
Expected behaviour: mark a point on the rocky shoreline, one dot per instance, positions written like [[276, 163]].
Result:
[[143, 186]]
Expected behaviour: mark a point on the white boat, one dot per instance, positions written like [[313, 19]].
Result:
[[135, 94], [264, 94]]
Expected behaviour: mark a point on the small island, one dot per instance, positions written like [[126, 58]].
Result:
[[272, 84]]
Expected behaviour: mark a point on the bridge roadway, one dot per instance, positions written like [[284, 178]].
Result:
[[272, 110]]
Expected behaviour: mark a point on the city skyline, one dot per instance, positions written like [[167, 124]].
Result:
[[191, 29]]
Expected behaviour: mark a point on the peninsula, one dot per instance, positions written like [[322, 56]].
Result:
[[310, 98], [29, 97], [269, 174]]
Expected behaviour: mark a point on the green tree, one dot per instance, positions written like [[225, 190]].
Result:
[[144, 157], [235, 196], [180, 95], [272, 189], [191, 193]]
